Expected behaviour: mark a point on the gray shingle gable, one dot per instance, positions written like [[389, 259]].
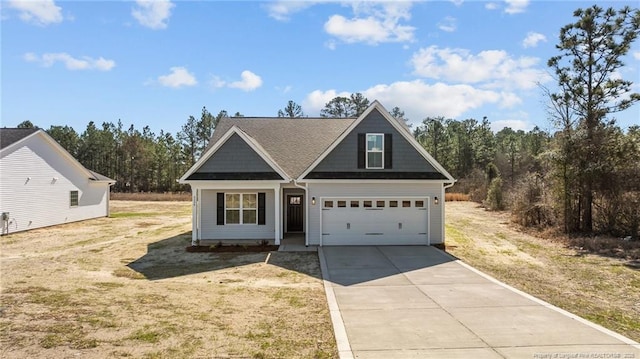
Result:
[[293, 143], [343, 158]]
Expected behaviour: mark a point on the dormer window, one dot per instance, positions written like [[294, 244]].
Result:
[[375, 151]]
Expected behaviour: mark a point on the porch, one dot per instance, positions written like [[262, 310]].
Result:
[[294, 242]]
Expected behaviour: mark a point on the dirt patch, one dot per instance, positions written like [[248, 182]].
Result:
[[126, 287], [599, 288]]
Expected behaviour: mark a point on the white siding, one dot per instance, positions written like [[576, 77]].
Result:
[[211, 231], [35, 185], [389, 189]]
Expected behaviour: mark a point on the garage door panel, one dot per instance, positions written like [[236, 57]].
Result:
[[379, 224]]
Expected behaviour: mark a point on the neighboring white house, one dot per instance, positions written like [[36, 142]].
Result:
[[41, 184], [354, 181]]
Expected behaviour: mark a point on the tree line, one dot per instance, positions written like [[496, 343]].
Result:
[[582, 177], [585, 176]]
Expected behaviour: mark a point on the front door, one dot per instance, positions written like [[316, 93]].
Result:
[[294, 213]]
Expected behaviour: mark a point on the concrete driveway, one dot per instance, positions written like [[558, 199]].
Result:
[[419, 302]]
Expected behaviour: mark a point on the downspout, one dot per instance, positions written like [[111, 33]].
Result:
[[444, 199], [306, 211]]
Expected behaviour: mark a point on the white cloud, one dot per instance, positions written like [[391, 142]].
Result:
[[532, 39], [316, 100], [70, 62], [516, 6], [248, 82], [43, 12], [418, 99], [152, 14], [514, 124], [282, 10], [373, 23], [490, 68], [509, 99], [178, 77], [448, 24], [491, 6], [457, 2], [636, 55]]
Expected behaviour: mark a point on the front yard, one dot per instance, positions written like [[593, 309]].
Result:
[[602, 289], [125, 287]]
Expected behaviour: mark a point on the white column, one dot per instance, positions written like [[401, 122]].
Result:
[[278, 200], [199, 199], [194, 216]]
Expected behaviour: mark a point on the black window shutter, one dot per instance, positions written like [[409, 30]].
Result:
[[361, 150], [262, 218], [220, 219], [388, 151]]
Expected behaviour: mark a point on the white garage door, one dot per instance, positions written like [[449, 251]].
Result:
[[374, 221]]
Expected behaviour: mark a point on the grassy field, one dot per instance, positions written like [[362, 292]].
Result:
[[125, 287], [602, 289]]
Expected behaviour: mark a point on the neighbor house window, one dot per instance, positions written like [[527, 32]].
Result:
[[241, 208], [73, 198], [375, 150]]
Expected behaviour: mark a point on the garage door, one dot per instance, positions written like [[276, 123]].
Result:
[[374, 221]]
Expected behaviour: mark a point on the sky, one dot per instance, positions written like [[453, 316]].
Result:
[[156, 63]]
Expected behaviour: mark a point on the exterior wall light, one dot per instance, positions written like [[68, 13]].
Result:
[[313, 201], [436, 201]]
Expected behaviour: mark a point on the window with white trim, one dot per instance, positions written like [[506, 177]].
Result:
[[73, 198], [241, 208], [375, 150]]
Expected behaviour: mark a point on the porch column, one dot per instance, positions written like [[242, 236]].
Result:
[[278, 200], [194, 216]]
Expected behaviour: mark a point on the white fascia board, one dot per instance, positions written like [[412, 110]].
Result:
[[413, 141], [337, 142], [247, 139], [377, 105], [65, 154], [263, 154], [17, 143], [205, 156]]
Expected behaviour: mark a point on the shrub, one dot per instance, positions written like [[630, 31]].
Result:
[[456, 196], [494, 200], [529, 204]]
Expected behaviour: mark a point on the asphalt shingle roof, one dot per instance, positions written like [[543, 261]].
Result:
[[9, 136], [293, 143]]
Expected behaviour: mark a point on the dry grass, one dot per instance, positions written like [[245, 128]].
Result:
[[453, 197], [125, 287], [600, 288], [151, 196]]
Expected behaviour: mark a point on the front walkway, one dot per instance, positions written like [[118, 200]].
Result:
[[294, 242], [419, 302]]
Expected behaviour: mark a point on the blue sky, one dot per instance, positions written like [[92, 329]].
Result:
[[156, 63]]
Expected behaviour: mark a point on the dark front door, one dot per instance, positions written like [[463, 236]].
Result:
[[294, 213]]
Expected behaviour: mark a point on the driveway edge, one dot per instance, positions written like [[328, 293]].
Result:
[[340, 333], [548, 305]]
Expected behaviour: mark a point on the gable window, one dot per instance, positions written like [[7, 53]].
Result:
[[375, 150], [241, 208], [73, 198]]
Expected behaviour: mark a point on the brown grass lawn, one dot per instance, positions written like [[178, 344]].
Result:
[[602, 289], [125, 287]]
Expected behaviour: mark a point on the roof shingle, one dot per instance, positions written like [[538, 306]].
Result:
[[10, 136], [293, 143]]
